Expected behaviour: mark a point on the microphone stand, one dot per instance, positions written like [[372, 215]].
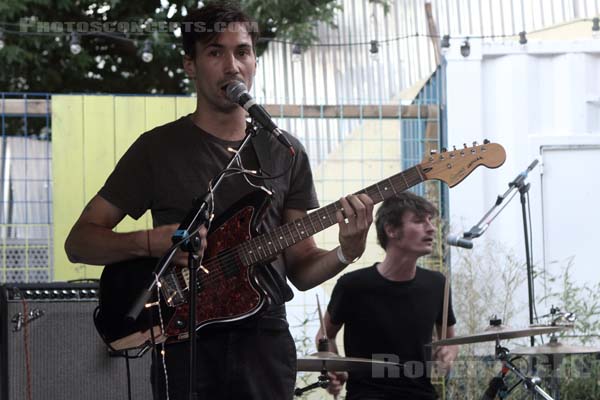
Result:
[[186, 237], [517, 184]]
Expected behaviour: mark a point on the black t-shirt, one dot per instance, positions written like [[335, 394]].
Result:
[[392, 321], [166, 168]]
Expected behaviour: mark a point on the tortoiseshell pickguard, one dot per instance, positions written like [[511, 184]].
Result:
[[222, 296]]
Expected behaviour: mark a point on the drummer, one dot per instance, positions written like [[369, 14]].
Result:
[[390, 309]]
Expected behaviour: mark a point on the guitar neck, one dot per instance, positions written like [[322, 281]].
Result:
[[265, 247]]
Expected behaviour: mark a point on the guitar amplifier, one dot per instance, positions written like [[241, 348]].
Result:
[[49, 347]]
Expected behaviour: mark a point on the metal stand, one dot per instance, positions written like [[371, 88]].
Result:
[[531, 383], [322, 382], [478, 229]]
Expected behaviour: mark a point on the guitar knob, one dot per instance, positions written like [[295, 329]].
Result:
[[180, 323]]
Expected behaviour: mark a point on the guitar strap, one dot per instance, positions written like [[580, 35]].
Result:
[[273, 281]]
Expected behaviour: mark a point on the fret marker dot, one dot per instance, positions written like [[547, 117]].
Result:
[[280, 237]]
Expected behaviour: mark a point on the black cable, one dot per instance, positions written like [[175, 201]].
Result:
[[128, 375], [282, 41], [535, 313]]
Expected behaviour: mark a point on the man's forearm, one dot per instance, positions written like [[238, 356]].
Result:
[[97, 245], [315, 268]]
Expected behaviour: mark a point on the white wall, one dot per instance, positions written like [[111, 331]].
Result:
[[541, 100]]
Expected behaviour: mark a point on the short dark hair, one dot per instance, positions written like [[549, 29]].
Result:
[[393, 209], [199, 25]]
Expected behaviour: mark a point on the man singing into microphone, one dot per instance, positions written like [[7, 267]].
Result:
[[389, 310], [169, 166]]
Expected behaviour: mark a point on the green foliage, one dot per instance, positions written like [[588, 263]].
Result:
[[582, 300], [112, 63], [484, 282]]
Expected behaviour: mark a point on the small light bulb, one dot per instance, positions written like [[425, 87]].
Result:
[[374, 50], [147, 55], [75, 45], [296, 53]]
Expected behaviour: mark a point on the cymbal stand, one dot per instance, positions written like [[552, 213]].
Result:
[[322, 382], [531, 383]]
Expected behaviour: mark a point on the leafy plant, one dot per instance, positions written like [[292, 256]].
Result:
[[111, 62]]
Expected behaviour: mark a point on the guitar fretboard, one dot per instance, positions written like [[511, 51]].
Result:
[[265, 247]]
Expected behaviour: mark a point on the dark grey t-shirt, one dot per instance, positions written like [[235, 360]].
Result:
[[169, 166]]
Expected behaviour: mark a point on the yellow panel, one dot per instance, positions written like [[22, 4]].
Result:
[[185, 105], [159, 111], [98, 151], [67, 177], [98, 142], [130, 123]]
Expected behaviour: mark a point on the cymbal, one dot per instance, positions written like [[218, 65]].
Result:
[[555, 347], [501, 332], [334, 362]]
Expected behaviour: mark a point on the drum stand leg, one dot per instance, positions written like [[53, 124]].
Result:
[[531, 384]]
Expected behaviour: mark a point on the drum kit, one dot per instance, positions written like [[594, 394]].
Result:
[[324, 361]]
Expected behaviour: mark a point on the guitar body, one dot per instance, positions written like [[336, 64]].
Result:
[[228, 290]]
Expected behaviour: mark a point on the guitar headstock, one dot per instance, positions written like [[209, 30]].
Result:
[[454, 166]]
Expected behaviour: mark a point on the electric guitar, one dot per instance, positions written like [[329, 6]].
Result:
[[228, 287]]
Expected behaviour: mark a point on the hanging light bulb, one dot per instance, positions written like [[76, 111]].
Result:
[[465, 48], [445, 43], [522, 38], [147, 55], [374, 50], [296, 53], [75, 45], [596, 27]]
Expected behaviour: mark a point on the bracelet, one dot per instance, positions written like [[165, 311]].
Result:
[[148, 240], [343, 259]]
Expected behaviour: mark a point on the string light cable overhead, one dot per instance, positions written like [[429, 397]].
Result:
[[171, 38]]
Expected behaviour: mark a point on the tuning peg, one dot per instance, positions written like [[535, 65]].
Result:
[[432, 152], [464, 144], [454, 147], [444, 149], [474, 143], [485, 141]]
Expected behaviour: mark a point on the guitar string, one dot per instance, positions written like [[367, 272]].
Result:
[[231, 254]]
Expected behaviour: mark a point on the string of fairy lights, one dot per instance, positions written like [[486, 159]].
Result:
[[146, 45]]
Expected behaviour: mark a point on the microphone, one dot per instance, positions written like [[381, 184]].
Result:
[[521, 177], [237, 92], [459, 241]]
